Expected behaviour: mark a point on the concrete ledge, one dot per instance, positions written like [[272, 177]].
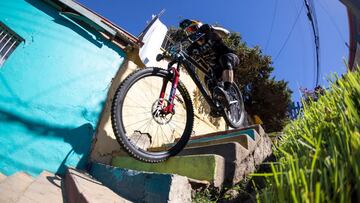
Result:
[[249, 131], [239, 161], [143, 186], [243, 139], [220, 139], [81, 188], [232, 152], [248, 137], [46, 188], [2, 177], [200, 167], [12, 188]]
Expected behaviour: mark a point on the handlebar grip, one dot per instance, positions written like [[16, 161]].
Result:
[[159, 57]]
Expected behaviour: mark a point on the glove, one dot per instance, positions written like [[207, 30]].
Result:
[[196, 36], [204, 28]]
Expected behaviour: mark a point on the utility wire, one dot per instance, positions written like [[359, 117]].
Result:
[[334, 23], [272, 24], [312, 18], [289, 34]]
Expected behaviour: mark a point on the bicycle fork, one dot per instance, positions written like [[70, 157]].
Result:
[[170, 107]]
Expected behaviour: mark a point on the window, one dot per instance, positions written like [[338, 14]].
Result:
[[9, 40]]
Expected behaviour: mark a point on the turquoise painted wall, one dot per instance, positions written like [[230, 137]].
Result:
[[52, 89]]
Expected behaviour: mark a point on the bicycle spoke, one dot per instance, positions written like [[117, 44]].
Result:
[[137, 122], [165, 134], [136, 114], [137, 104], [175, 129], [174, 123]]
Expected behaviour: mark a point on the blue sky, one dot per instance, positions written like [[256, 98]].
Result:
[[265, 23]]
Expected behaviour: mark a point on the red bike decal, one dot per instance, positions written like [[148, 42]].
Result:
[[170, 106]]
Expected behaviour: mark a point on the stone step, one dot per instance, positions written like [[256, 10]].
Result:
[[208, 167], [46, 188], [248, 141], [80, 187], [246, 131], [248, 137], [2, 177], [13, 187], [233, 154], [239, 161], [140, 186]]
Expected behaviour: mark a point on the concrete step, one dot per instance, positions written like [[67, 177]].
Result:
[[248, 131], [243, 139], [80, 187], [239, 161], [233, 154], [140, 186], [247, 138], [13, 187], [2, 177], [46, 188], [218, 158], [208, 167]]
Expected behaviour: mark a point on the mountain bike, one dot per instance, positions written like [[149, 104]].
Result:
[[152, 112]]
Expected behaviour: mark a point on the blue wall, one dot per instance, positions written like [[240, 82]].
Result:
[[52, 89]]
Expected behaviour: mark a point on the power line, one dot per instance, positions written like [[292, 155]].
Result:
[[272, 24], [313, 20], [289, 34], [334, 23]]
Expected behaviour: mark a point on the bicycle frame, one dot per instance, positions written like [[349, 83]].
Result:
[[194, 77]]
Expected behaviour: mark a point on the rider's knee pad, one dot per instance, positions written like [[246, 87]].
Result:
[[228, 61]]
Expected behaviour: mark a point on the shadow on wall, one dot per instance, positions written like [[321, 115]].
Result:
[[79, 138], [42, 6], [84, 30]]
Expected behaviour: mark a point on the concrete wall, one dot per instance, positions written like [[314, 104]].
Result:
[[53, 88]]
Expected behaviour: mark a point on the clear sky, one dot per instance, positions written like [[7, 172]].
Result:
[[265, 23]]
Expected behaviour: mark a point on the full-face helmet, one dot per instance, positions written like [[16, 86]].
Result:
[[190, 26]]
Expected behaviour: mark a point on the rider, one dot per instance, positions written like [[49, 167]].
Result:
[[209, 48]]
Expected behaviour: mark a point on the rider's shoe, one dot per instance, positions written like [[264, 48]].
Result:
[[221, 95]]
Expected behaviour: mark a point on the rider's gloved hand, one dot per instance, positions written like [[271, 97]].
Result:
[[196, 36], [204, 28]]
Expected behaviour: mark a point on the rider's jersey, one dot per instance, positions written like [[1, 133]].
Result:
[[211, 49]]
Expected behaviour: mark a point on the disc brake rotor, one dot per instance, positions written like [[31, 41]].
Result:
[[159, 115]]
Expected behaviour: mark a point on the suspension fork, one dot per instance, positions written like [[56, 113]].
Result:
[[175, 77]]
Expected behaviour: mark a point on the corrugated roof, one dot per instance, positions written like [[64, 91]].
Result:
[[109, 30]]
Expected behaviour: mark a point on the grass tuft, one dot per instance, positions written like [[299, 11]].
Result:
[[318, 156]]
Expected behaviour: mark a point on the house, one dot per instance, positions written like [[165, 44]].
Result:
[[57, 61], [60, 64]]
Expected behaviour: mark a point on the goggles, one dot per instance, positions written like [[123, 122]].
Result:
[[191, 28]]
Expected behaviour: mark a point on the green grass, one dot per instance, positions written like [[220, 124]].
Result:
[[318, 157]]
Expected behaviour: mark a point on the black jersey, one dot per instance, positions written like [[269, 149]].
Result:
[[212, 47]]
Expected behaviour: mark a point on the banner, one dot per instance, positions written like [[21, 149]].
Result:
[[152, 37]]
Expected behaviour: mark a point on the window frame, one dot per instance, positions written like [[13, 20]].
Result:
[[7, 35]]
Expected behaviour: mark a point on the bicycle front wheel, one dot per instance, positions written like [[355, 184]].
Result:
[[141, 126]]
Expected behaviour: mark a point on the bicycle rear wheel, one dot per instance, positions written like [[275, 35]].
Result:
[[234, 114], [139, 122]]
